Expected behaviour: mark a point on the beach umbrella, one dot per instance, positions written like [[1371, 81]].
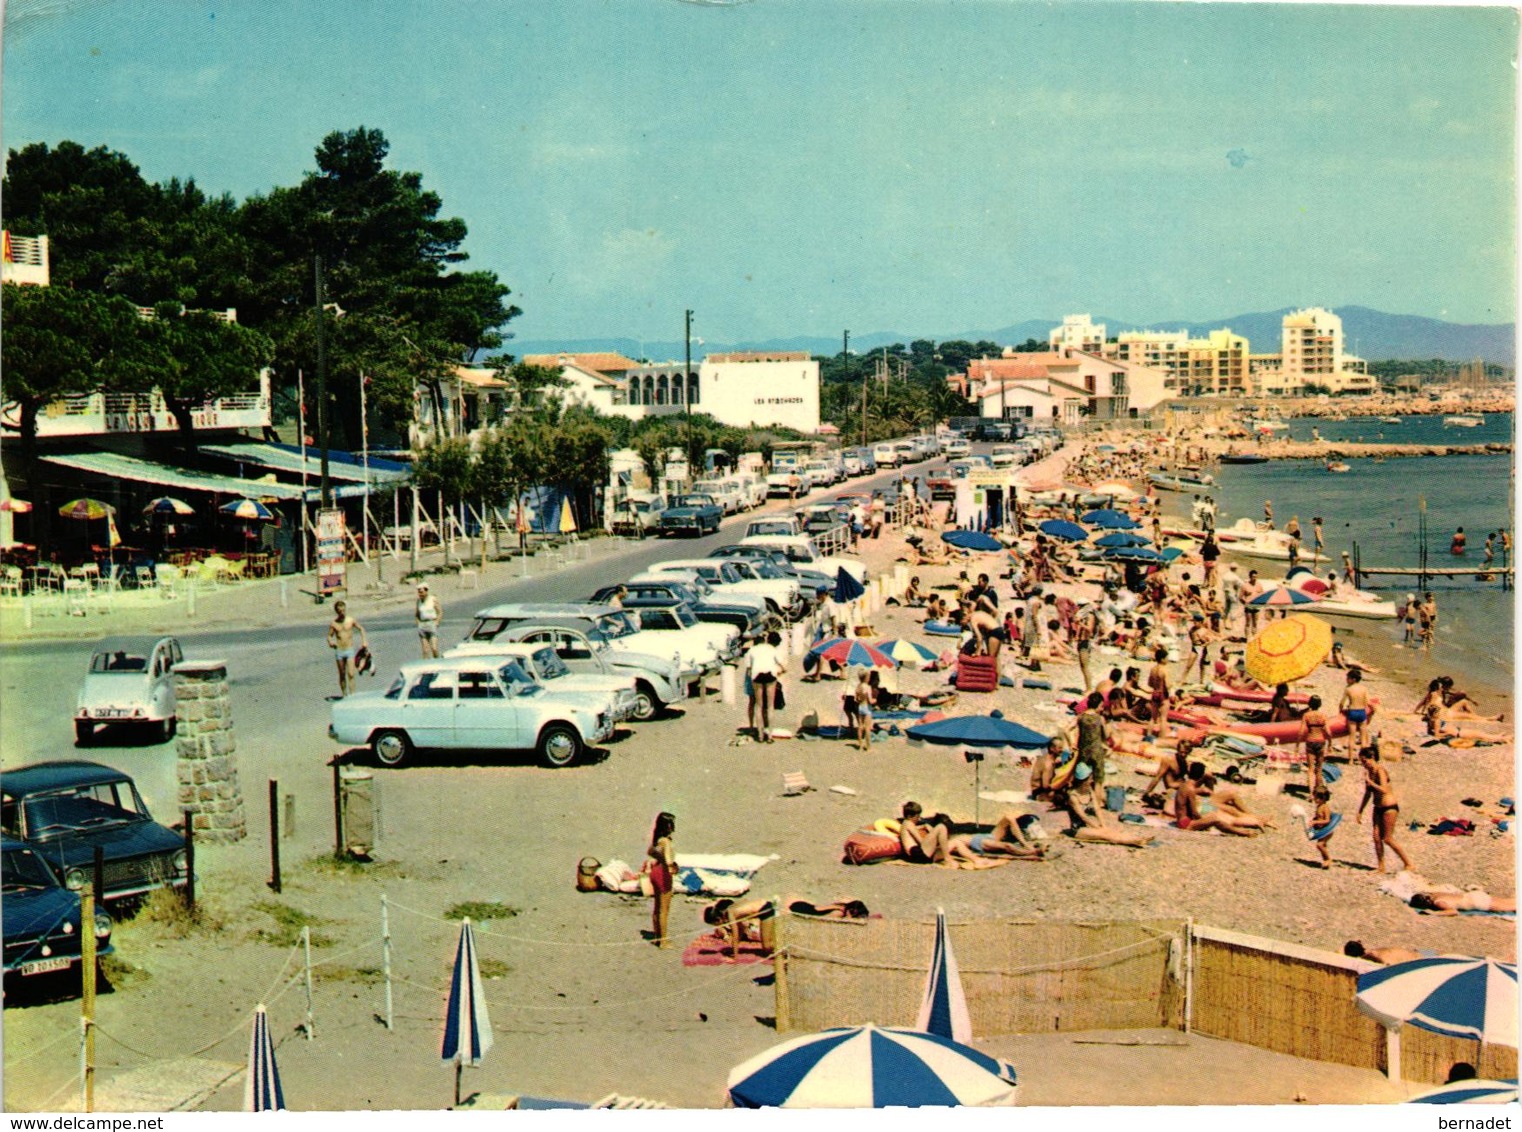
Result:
[[1277, 596], [567, 519], [1115, 488], [1288, 649], [165, 505], [1134, 554], [16, 506], [86, 509], [1061, 528], [261, 1090], [1455, 995], [943, 1010], [1110, 519], [1473, 1091], [247, 510], [971, 540], [906, 651], [871, 1067], [847, 588], [1169, 553], [849, 651], [1122, 538], [991, 730], [1105, 448], [467, 1028]]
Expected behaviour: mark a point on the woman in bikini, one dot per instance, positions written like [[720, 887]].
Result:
[[1313, 738], [1452, 903], [1381, 791], [1006, 840]]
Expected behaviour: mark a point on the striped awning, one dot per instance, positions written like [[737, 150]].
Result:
[[114, 465]]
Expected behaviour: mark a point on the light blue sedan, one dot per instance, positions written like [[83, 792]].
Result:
[[472, 703]]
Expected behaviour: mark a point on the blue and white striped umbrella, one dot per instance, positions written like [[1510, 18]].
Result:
[[248, 510], [1450, 994], [1473, 1091], [871, 1067], [467, 1028], [261, 1091], [943, 1011], [906, 651]]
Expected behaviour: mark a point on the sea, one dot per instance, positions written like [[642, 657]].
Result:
[[1378, 505]]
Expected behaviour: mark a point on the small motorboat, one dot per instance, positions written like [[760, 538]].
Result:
[[1389, 420], [1337, 466], [1233, 458], [1185, 479], [1464, 420]]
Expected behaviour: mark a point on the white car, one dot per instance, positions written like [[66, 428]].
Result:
[[130, 681], [803, 553], [885, 455], [753, 487], [1004, 455], [956, 448], [475, 704], [726, 493], [545, 667], [782, 597], [773, 525]]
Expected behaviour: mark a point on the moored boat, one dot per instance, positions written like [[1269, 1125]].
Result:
[[1337, 466], [1464, 420], [1185, 479], [1233, 458]]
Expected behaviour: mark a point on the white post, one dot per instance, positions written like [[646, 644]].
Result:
[[396, 520], [27, 610], [285, 598], [306, 944], [415, 531], [190, 595], [386, 954], [1189, 975], [727, 683], [1392, 1053]]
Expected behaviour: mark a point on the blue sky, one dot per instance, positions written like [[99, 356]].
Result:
[[798, 167]]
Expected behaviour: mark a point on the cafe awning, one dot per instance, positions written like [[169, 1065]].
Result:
[[114, 465], [286, 458]]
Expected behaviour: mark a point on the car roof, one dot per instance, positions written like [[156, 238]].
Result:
[[680, 564], [38, 777], [133, 646], [518, 610]]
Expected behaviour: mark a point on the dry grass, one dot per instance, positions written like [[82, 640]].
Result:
[[165, 910], [288, 924], [479, 911]]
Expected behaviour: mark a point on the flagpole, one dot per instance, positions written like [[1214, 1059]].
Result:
[[301, 426], [364, 440]]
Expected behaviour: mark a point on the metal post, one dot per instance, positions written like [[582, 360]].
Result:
[[301, 423], [190, 863], [338, 813], [326, 491], [386, 954], [306, 945], [274, 881], [87, 998], [415, 532]]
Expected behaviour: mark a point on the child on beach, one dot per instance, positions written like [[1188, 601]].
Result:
[[1319, 821]]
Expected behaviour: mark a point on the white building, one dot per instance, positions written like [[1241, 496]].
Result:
[[1078, 332], [24, 259], [1312, 354]]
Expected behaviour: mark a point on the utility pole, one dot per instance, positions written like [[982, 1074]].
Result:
[[326, 491], [692, 474]]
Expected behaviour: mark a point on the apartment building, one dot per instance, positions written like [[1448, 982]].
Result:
[[1078, 332], [1213, 366]]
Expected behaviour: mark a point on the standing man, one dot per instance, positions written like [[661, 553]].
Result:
[[428, 613], [1426, 619], [1316, 536], [1268, 513], [1250, 589], [341, 632]]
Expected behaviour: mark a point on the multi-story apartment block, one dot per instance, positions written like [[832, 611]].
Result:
[[1078, 332], [1215, 365], [1312, 354]]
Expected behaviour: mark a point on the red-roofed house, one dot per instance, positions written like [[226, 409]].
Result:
[[1064, 385]]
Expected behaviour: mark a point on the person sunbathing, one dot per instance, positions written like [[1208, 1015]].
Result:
[[1452, 903], [1045, 774], [744, 919], [1006, 840], [1227, 797], [1172, 770], [1385, 956], [1087, 822]]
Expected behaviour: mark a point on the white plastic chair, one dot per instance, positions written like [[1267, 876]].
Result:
[[167, 578], [10, 582], [144, 575], [76, 592]]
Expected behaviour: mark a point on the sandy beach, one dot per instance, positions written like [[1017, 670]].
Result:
[[582, 1006]]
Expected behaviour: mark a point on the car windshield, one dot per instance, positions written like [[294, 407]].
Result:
[[118, 662], [727, 573], [487, 628], [23, 869], [550, 666], [83, 807], [512, 674], [683, 616], [395, 691], [615, 626]]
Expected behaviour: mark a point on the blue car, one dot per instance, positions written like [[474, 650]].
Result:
[[64, 810], [42, 929]]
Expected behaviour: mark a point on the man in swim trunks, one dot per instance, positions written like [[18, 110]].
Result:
[[923, 843], [1355, 705], [428, 613], [341, 632]]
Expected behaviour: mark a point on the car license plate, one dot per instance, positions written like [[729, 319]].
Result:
[[43, 966], [110, 713]]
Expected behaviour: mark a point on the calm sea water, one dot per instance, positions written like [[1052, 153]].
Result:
[[1377, 505]]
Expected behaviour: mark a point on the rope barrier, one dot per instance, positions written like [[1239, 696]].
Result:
[[1060, 965]]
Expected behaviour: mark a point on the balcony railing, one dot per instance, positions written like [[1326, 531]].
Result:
[[105, 413]]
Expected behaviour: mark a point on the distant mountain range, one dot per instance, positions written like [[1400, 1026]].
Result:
[[1370, 334]]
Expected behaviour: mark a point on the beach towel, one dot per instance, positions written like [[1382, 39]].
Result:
[[714, 950], [717, 874]]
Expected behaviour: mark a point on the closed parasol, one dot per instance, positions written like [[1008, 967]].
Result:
[[1290, 649]]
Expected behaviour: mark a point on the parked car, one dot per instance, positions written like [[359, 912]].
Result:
[[809, 580], [726, 493], [1004, 455], [583, 646], [744, 612], [885, 456], [474, 703], [639, 515], [821, 517], [66, 810], [801, 551], [42, 917], [131, 682], [694, 513], [697, 642], [783, 596], [753, 487], [942, 484], [955, 447], [546, 669], [773, 525]]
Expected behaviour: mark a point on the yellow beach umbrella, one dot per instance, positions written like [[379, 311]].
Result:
[[567, 520], [85, 509], [1288, 649]]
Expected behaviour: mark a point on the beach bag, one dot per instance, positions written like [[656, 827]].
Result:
[[779, 701], [863, 848], [586, 874]]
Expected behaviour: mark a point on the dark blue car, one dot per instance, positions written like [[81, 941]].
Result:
[[64, 810], [41, 916]]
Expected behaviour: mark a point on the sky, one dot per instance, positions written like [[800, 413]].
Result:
[[792, 167]]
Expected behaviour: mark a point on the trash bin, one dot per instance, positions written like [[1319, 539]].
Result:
[[359, 811]]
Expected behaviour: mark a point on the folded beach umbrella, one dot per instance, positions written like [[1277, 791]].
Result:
[[261, 1090], [1473, 1091], [943, 1010], [848, 651], [567, 517], [86, 509], [1289, 649], [467, 1027], [1282, 595], [1110, 519], [1450, 994], [991, 730], [1122, 538], [1169, 553], [971, 540], [1061, 528], [871, 1067], [167, 505], [847, 588], [249, 510], [906, 651]]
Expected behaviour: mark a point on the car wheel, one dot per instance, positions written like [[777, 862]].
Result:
[[559, 745], [390, 747], [84, 732], [646, 705]]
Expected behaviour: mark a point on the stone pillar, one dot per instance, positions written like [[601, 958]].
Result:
[[204, 752]]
